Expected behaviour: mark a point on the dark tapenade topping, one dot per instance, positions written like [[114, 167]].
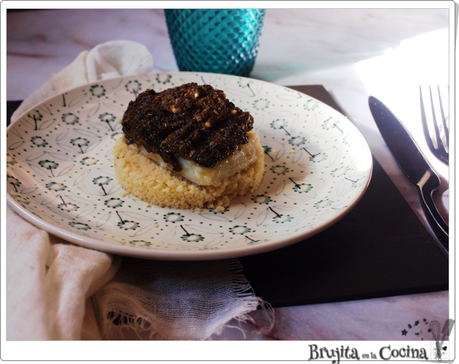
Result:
[[189, 121]]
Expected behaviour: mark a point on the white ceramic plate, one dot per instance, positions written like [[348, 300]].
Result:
[[61, 179]]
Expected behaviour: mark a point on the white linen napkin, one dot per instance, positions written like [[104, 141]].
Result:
[[59, 291], [107, 60]]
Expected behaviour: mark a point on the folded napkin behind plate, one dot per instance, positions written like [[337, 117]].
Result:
[[56, 290], [111, 59]]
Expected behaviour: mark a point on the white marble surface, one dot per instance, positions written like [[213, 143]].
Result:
[[332, 47]]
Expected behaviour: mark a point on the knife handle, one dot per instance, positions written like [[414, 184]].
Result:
[[438, 225]]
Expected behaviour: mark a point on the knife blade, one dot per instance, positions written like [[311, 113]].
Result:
[[413, 163]]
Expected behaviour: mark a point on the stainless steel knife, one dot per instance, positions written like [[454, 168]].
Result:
[[413, 163]]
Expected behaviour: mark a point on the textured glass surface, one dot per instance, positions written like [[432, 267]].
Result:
[[215, 40]]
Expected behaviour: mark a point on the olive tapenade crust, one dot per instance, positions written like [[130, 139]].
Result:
[[189, 121]]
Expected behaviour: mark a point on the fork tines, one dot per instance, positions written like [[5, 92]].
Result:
[[435, 120]]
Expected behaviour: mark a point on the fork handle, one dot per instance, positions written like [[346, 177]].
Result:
[[438, 225]]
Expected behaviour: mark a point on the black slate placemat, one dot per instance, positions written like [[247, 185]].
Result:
[[11, 106], [379, 249]]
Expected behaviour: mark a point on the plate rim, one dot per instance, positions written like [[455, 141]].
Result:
[[191, 255]]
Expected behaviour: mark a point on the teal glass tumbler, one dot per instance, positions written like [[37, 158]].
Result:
[[215, 40]]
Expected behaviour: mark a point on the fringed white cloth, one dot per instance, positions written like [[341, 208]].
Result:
[[173, 300], [59, 291]]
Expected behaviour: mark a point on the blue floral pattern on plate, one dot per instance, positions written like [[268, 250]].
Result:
[[60, 172]]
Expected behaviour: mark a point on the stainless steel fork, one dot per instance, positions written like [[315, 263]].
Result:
[[435, 120]]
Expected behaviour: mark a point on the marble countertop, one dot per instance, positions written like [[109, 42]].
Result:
[[351, 52]]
